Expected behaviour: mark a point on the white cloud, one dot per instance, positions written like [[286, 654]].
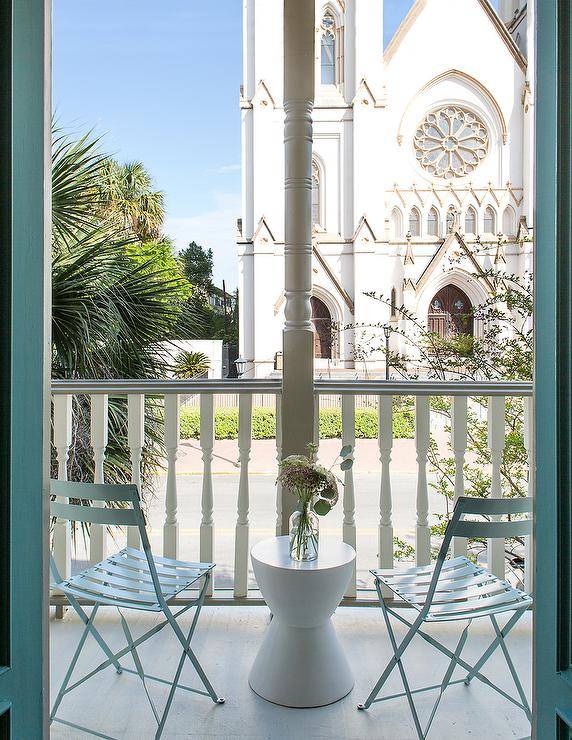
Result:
[[214, 229], [226, 168]]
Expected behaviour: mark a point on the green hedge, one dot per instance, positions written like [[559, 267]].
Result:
[[264, 423]]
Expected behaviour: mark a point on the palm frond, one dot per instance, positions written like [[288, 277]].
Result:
[[76, 174]]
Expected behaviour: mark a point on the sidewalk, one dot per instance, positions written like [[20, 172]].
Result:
[[263, 455]]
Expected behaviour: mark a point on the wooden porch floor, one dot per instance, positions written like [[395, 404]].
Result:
[[226, 642]]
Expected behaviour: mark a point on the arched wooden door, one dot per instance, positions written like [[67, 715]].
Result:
[[450, 312], [322, 322]]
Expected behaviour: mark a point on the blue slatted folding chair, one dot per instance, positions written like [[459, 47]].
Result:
[[457, 590], [130, 579]]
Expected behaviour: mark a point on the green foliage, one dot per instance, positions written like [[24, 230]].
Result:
[[117, 292], [502, 350], [191, 364], [128, 200], [76, 173], [226, 423], [264, 423], [158, 258], [197, 266], [403, 550]]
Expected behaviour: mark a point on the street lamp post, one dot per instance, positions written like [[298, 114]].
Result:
[[387, 332], [240, 363]]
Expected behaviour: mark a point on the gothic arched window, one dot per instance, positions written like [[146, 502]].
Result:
[[490, 221], [414, 222], [509, 221], [396, 224], [450, 219], [323, 329], [328, 57], [450, 313], [433, 222], [331, 50], [470, 221], [316, 196]]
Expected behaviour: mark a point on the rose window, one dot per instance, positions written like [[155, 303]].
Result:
[[450, 142]]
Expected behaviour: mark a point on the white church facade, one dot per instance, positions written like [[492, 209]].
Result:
[[422, 171]]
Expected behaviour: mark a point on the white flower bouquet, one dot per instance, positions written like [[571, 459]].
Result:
[[316, 489]]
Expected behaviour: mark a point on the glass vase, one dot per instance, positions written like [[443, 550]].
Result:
[[304, 532]]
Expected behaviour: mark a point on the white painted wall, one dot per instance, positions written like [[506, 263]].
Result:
[[212, 348]]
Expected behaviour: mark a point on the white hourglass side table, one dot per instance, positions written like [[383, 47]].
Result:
[[300, 662]]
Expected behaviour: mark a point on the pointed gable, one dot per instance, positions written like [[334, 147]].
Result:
[[364, 232], [498, 25], [263, 235], [452, 241], [466, 35], [263, 96]]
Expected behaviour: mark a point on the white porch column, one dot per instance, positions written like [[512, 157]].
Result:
[[298, 342]]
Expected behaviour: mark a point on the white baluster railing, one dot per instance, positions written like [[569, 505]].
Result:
[[62, 443], [529, 446], [171, 526], [385, 443], [99, 439], [278, 459], [496, 441], [316, 439], [349, 503], [241, 553], [135, 441], [206, 547], [459, 447], [376, 539], [422, 531]]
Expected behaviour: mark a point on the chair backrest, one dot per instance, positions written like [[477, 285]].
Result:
[[485, 507], [128, 514], [127, 495]]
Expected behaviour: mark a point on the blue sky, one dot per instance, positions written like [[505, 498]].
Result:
[[161, 81]]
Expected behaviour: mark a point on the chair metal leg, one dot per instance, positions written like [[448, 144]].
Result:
[[494, 645], [396, 660], [190, 654], [138, 641], [73, 663], [177, 676], [95, 633], [402, 671], [138, 665], [512, 669], [447, 677]]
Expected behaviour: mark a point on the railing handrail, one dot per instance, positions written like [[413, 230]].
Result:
[[163, 387], [274, 386], [425, 387]]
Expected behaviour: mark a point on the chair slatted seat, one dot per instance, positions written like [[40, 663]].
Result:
[[456, 589], [125, 579], [463, 586], [128, 579]]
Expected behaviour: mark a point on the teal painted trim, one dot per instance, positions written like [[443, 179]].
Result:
[[553, 546], [5, 334], [23, 459]]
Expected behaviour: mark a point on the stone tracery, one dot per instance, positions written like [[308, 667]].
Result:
[[450, 142]]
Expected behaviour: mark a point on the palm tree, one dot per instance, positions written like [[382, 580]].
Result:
[[127, 197], [113, 311], [191, 365]]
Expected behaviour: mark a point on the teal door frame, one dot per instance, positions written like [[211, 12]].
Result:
[[24, 364], [553, 316]]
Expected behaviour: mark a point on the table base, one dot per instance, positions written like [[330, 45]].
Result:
[[301, 666]]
